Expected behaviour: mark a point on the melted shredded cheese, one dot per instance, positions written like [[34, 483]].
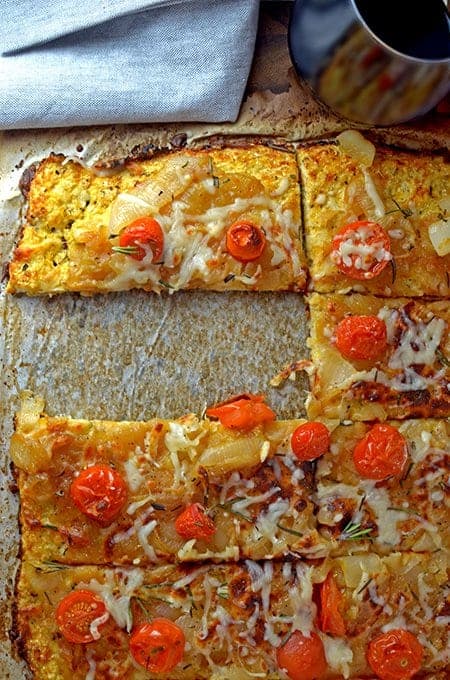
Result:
[[418, 342], [143, 531], [117, 606], [266, 524], [353, 250], [301, 597], [378, 499], [188, 552], [133, 474], [379, 209], [242, 505], [94, 626], [238, 484], [196, 249], [90, 675], [338, 654]]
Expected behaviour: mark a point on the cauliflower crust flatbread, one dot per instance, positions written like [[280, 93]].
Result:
[[404, 193], [79, 236], [250, 485], [235, 619], [408, 377]]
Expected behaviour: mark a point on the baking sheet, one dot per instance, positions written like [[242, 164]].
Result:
[[135, 355]]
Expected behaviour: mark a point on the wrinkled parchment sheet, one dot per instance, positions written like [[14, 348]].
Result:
[[135, 355]]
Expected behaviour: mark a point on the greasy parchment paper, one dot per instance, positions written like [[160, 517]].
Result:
[[135, 355]]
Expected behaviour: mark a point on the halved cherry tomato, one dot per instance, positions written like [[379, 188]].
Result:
[[99, 492], [310, 441], [245, 241], [193, 522], [330, 618], [158, 646], [361, 250], [395, 655], [242, 413], [76, 613], [301, 657], [145, 231], [382, 453], [361, 337]]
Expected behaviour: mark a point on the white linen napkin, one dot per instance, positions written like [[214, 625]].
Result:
[[79, 62]]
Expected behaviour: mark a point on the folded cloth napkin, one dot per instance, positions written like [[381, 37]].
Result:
[[79, 62]]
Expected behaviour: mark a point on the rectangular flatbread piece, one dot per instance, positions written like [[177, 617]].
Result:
[[251, 490], [231, 621], [405, 194], [78, 234], [407, 375], [385, 487]]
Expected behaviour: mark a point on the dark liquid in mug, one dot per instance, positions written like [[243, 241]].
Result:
[[418, 28]]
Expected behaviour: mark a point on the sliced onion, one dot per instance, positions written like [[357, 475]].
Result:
[[150, 197], [357, 147], [30, 411], [28, 454], [355, 566], [235, 453], [439, 233]]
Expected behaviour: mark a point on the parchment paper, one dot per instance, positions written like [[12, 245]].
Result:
[[135, 355]]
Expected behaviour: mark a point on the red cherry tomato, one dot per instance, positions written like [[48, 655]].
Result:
[[193, 522], [395, 655], [382, 453], [242, 413], [330, 618], [301, 657], [310, 441], [158, 646], [145, 231], [361, 337], [361, 250], [245, 241], [99, 492], [76, 613]]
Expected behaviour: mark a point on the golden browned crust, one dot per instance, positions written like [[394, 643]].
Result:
[[68, 237], [397, 385], [410, 187], [234, 616], [249, 483]]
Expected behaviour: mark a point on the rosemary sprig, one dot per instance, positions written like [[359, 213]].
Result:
[[408, 511], [289, 531], [363, 587], [50, 526], [404, 211], [141, 604], [228, 506], [442, 358], [410, 467], [354, 532], [191, 595], [229, 277], [413, 593], [158, 506], [49, 567], [165, 284], [223, 592], [125, 250], [393, 264], [159, 599]]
